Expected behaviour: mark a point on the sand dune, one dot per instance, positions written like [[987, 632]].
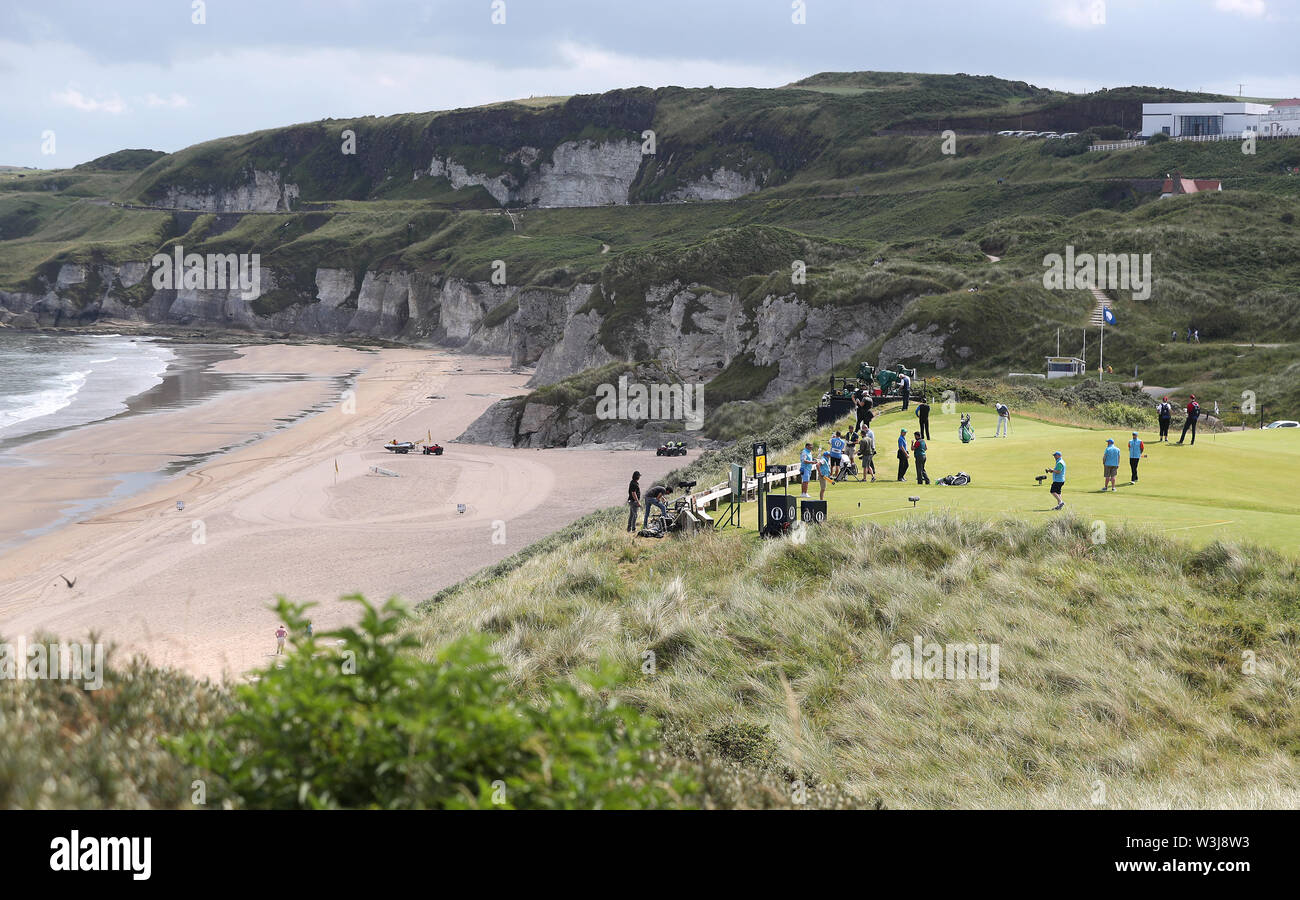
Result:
[[192, 588]]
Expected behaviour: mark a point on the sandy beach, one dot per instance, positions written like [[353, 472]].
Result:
[[266, 512]]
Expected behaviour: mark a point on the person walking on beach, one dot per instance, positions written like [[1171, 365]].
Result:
[[1193, 413], [807, 463], [633, 500], [902, 454], [1164, 412], [919, 451], [1004, 420], [280, 635], [1109, 465], [1058, 479], [867, 449], [923, 415], [1136, 450]]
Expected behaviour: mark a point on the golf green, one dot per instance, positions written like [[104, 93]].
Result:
[[1238, 486]]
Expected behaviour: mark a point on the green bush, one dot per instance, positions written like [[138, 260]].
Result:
[[1158, 138], [368, 724]]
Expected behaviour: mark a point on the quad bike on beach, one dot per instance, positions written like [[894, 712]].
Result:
[[672, 448], [428, 449]]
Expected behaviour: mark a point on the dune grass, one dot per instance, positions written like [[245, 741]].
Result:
[[1121, 663]]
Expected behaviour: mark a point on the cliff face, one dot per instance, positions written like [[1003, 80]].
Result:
[[696, 331], [262, 192]]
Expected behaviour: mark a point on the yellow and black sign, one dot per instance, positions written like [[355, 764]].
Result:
[[760, 459]]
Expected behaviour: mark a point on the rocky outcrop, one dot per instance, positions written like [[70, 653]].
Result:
[[921, 347], [263, 192], [579, 173], [723, 184]]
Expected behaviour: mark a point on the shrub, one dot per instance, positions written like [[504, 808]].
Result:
[[372, 725], [1158, 138]]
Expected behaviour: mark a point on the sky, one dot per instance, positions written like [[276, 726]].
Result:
[[81, 79]]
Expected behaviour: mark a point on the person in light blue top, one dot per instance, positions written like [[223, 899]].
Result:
[[806, 465], [824, 472], [837, 452], [1136, 450], [1058, 479], [1109, 465]]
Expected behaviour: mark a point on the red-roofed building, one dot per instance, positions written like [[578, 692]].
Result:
[[1180, 185]]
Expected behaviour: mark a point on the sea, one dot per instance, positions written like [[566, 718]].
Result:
[[53, 382]]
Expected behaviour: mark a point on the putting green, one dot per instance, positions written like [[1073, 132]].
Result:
[[1237, 486]]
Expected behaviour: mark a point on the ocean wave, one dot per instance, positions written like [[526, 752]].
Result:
[[34, 404]]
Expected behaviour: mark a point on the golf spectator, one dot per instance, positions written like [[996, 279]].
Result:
[[1193, 413], [836, 452], [656, 497], [862, 405], [1136, 450], [807, 462], [923, 415], [633, 500], [918, 453], [902, 454], [1004, 421], [1058, 479], [1164, 412], [824, 473], [280, 635], [905, 385], [1109, 465], [1196, 334], [851, 445], [1174, 335], [867, 449]]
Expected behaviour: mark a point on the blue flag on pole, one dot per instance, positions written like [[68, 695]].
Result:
[[1108, 315]]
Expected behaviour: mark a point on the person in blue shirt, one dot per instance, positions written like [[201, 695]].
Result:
[[1109, 465], [902, 454], [1058, 479], [824, 473], [807, 462], [837, 452], [1136, 450]]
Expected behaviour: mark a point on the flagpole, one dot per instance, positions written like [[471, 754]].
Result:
[[1101, 354]]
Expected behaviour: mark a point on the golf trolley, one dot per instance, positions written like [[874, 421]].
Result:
[[848, 469]]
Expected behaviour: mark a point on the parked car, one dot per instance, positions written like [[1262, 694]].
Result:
[[1048, 134], [1070, 134], [1006, 134], [1283, 423]]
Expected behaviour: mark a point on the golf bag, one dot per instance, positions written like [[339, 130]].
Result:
[[957, 480], [967, 433]]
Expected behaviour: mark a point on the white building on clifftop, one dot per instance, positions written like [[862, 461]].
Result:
[[1210, 119]]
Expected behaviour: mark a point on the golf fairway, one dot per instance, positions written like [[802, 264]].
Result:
[[1238, 486]]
